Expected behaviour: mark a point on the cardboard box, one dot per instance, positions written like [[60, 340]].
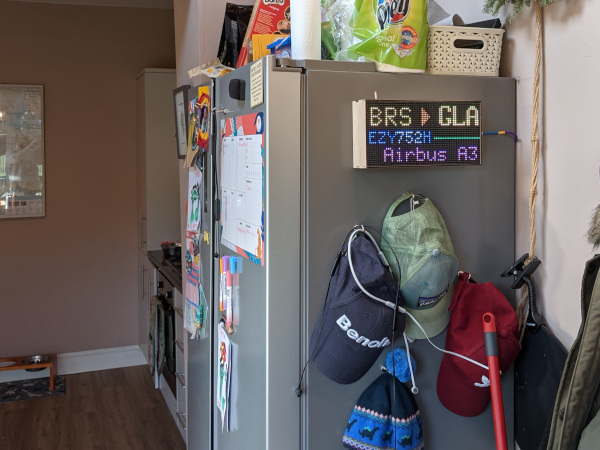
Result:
[[268, 17]]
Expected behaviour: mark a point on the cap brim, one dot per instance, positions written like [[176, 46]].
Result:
[[346, 356], [460, 386], [330, 362]]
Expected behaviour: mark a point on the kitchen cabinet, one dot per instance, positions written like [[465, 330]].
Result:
[[172, 380], [157, 181], [158, 221], [146, 289], [181, 365], [157, 163]]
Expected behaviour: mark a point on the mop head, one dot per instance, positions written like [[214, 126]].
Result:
[[594, 231]]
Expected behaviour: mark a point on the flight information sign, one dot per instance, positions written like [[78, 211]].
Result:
[[399, 133]]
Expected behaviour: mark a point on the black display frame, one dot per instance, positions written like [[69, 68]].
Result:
[[409, 133]]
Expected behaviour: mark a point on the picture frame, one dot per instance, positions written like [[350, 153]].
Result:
[[22, 169], [180, 102]]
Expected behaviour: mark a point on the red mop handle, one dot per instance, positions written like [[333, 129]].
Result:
[[491, 350]]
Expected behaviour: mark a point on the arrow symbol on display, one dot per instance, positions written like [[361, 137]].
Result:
[[424, 117]]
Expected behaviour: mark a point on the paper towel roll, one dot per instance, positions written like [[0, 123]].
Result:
[[305, 17]]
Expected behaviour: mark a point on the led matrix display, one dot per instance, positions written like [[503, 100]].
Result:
[[421, 133]]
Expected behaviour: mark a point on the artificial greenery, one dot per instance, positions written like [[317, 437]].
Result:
[[493, 6]]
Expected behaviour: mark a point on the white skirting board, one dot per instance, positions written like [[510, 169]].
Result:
[[88, 361]]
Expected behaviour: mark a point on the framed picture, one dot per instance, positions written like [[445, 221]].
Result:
[[181, 119], [22, 171]]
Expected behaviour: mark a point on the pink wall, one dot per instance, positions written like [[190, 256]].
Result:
[[68, 281]]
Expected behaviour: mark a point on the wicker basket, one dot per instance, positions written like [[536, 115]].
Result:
[[446, 54]]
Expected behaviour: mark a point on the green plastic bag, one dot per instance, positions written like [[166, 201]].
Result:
[[393, 34]]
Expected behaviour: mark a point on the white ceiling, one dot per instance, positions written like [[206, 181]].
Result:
[[163, 4]]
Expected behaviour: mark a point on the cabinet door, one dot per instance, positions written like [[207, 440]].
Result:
[[146, 289], [141, 163], [181, 363], [158, 166]]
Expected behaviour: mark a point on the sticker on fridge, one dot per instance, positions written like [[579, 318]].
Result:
[[199, 128], [196, 307], [194, 200], [242, 186], [223, 381]]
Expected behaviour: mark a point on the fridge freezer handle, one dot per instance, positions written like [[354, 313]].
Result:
[[217, 210], [216, 218]]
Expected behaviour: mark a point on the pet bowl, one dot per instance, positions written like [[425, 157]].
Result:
[[37, 359]]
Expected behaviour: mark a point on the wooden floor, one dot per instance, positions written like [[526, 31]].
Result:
[[115, 409]]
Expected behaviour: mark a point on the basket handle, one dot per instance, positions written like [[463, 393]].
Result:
[[470, 44]]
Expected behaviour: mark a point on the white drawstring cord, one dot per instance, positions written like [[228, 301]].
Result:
[[389, 304], [384, 261], [393, 306], [441, 349], [414, 389]]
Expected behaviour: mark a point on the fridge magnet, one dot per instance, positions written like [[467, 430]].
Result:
[[223, 381], [236, 269], [199, 127], [195, 301], [229, 279], [191, 283], [192, 294], [201, 315], [195, 316], [195, 194], [256, 84], [242, 186], [189, 313]]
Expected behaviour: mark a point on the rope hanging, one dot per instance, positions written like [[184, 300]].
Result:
[[523, 306]]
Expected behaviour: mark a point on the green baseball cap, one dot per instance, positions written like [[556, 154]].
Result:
[[417, 245]]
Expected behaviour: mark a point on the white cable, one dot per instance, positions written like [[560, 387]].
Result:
[[392, 305], [414, 389], [389, 304], [385, 302], [446, 351]]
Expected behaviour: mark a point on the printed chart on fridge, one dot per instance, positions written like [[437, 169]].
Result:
[[242, 193]]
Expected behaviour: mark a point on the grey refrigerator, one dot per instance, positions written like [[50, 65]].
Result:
[[300, 177]]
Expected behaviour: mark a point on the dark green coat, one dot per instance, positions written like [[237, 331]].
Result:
[[578, 397]]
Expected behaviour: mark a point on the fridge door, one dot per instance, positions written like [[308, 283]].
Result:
[[199, 379], [263, 407], [312, 197], [477, 203]]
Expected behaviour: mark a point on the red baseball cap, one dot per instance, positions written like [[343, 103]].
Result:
[[463, 387]]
